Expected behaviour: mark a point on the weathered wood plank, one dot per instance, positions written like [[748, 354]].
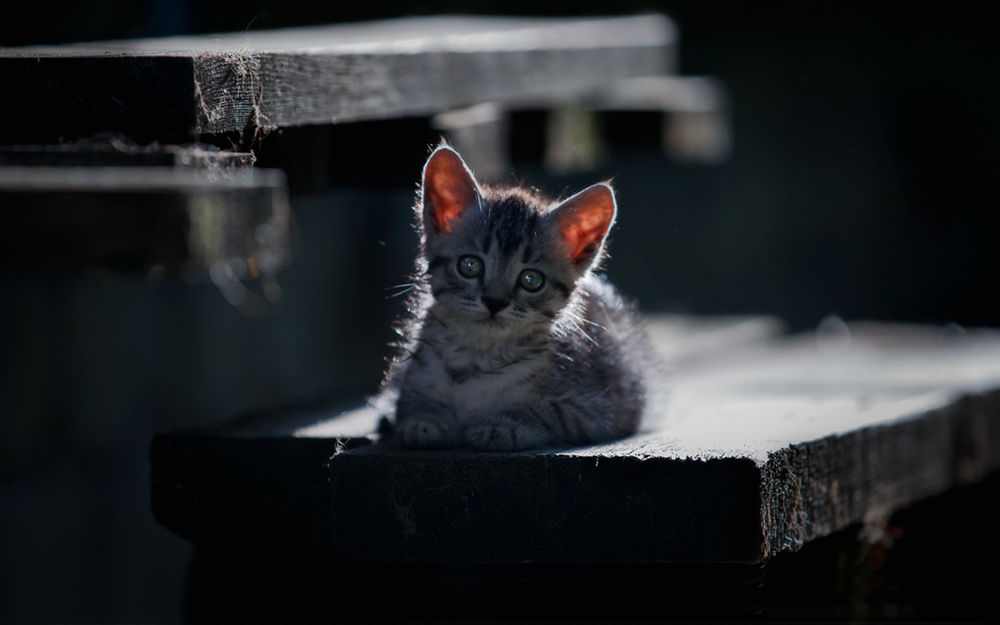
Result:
[[764, 447], [480, 134], [246, 83], [696, 124], [687, 116], [229, 224], [118, 152]]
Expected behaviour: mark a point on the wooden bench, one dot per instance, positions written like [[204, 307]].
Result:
[[760, 448]]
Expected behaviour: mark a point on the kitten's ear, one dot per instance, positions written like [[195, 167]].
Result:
[[448, 189], [584, 220]]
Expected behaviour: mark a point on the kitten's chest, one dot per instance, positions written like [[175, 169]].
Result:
[[473, 384]]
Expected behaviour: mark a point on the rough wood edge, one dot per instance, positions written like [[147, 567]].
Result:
[[877, 474]]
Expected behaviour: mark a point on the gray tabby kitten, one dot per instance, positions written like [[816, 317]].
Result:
[[511, 341]]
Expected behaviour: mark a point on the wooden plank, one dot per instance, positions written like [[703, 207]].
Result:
[[688, 117], [763, 448], [932, 571], [696, 124], [480, 133], [245, 83], [119, 152], [229, 225]]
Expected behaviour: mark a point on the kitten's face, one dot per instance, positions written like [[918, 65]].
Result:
[[500, 269], [504, 261]]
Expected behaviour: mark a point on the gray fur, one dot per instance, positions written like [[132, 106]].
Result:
[[561, 366]]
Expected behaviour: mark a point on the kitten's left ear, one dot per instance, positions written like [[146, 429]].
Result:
[[584, 220], [448, 190]]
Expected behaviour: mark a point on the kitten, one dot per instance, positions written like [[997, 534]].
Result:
[[511, 342]]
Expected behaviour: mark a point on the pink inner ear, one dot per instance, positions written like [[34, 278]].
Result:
[[448, 189], [584, 220]]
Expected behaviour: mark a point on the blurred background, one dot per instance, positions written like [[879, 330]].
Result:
[[861, 183]]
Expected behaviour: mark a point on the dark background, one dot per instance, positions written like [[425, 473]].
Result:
[[861, 183]]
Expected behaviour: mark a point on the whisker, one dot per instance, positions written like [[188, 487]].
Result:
[[398, 293], [587, 336], [582, 319], [577, 328], [580, 329]]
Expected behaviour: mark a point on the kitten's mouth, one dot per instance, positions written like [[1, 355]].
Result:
[[495, 323]]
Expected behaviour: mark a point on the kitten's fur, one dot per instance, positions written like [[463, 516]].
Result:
[[488, 364]]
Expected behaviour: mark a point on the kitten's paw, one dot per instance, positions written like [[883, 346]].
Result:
[[421, 434], [489, 437], [505, 433]]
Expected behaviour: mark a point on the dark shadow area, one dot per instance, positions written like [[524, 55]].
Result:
[[925, 563], [922, 565]]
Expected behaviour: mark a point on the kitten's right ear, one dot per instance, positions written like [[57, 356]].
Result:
[[448, 190], [583, 222]]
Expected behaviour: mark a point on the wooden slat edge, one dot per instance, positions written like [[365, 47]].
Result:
[[214, 490], [503, 508], [812, 489]]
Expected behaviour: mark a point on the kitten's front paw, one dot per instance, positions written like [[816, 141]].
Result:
[[423, 434], [505, 433]]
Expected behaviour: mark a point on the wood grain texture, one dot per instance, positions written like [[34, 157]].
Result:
[[113, 152], [180, 220], [247, 83], [762, 448]]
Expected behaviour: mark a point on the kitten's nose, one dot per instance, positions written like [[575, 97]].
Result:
[[493, 305]]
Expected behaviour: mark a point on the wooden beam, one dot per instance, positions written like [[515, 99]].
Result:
[[230, 225], [696, 113], [480, 134], [242, 84], [119, 152], [688, 117], [760, 449]]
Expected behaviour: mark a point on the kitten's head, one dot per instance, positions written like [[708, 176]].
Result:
[[505, 260]]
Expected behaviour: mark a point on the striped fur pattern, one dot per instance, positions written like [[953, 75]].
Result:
[[510, 341]]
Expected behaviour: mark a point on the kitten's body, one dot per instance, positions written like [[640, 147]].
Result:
[[493, 360]]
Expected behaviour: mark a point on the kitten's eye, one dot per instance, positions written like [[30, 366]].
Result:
[[470, 266], [531, 280]]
